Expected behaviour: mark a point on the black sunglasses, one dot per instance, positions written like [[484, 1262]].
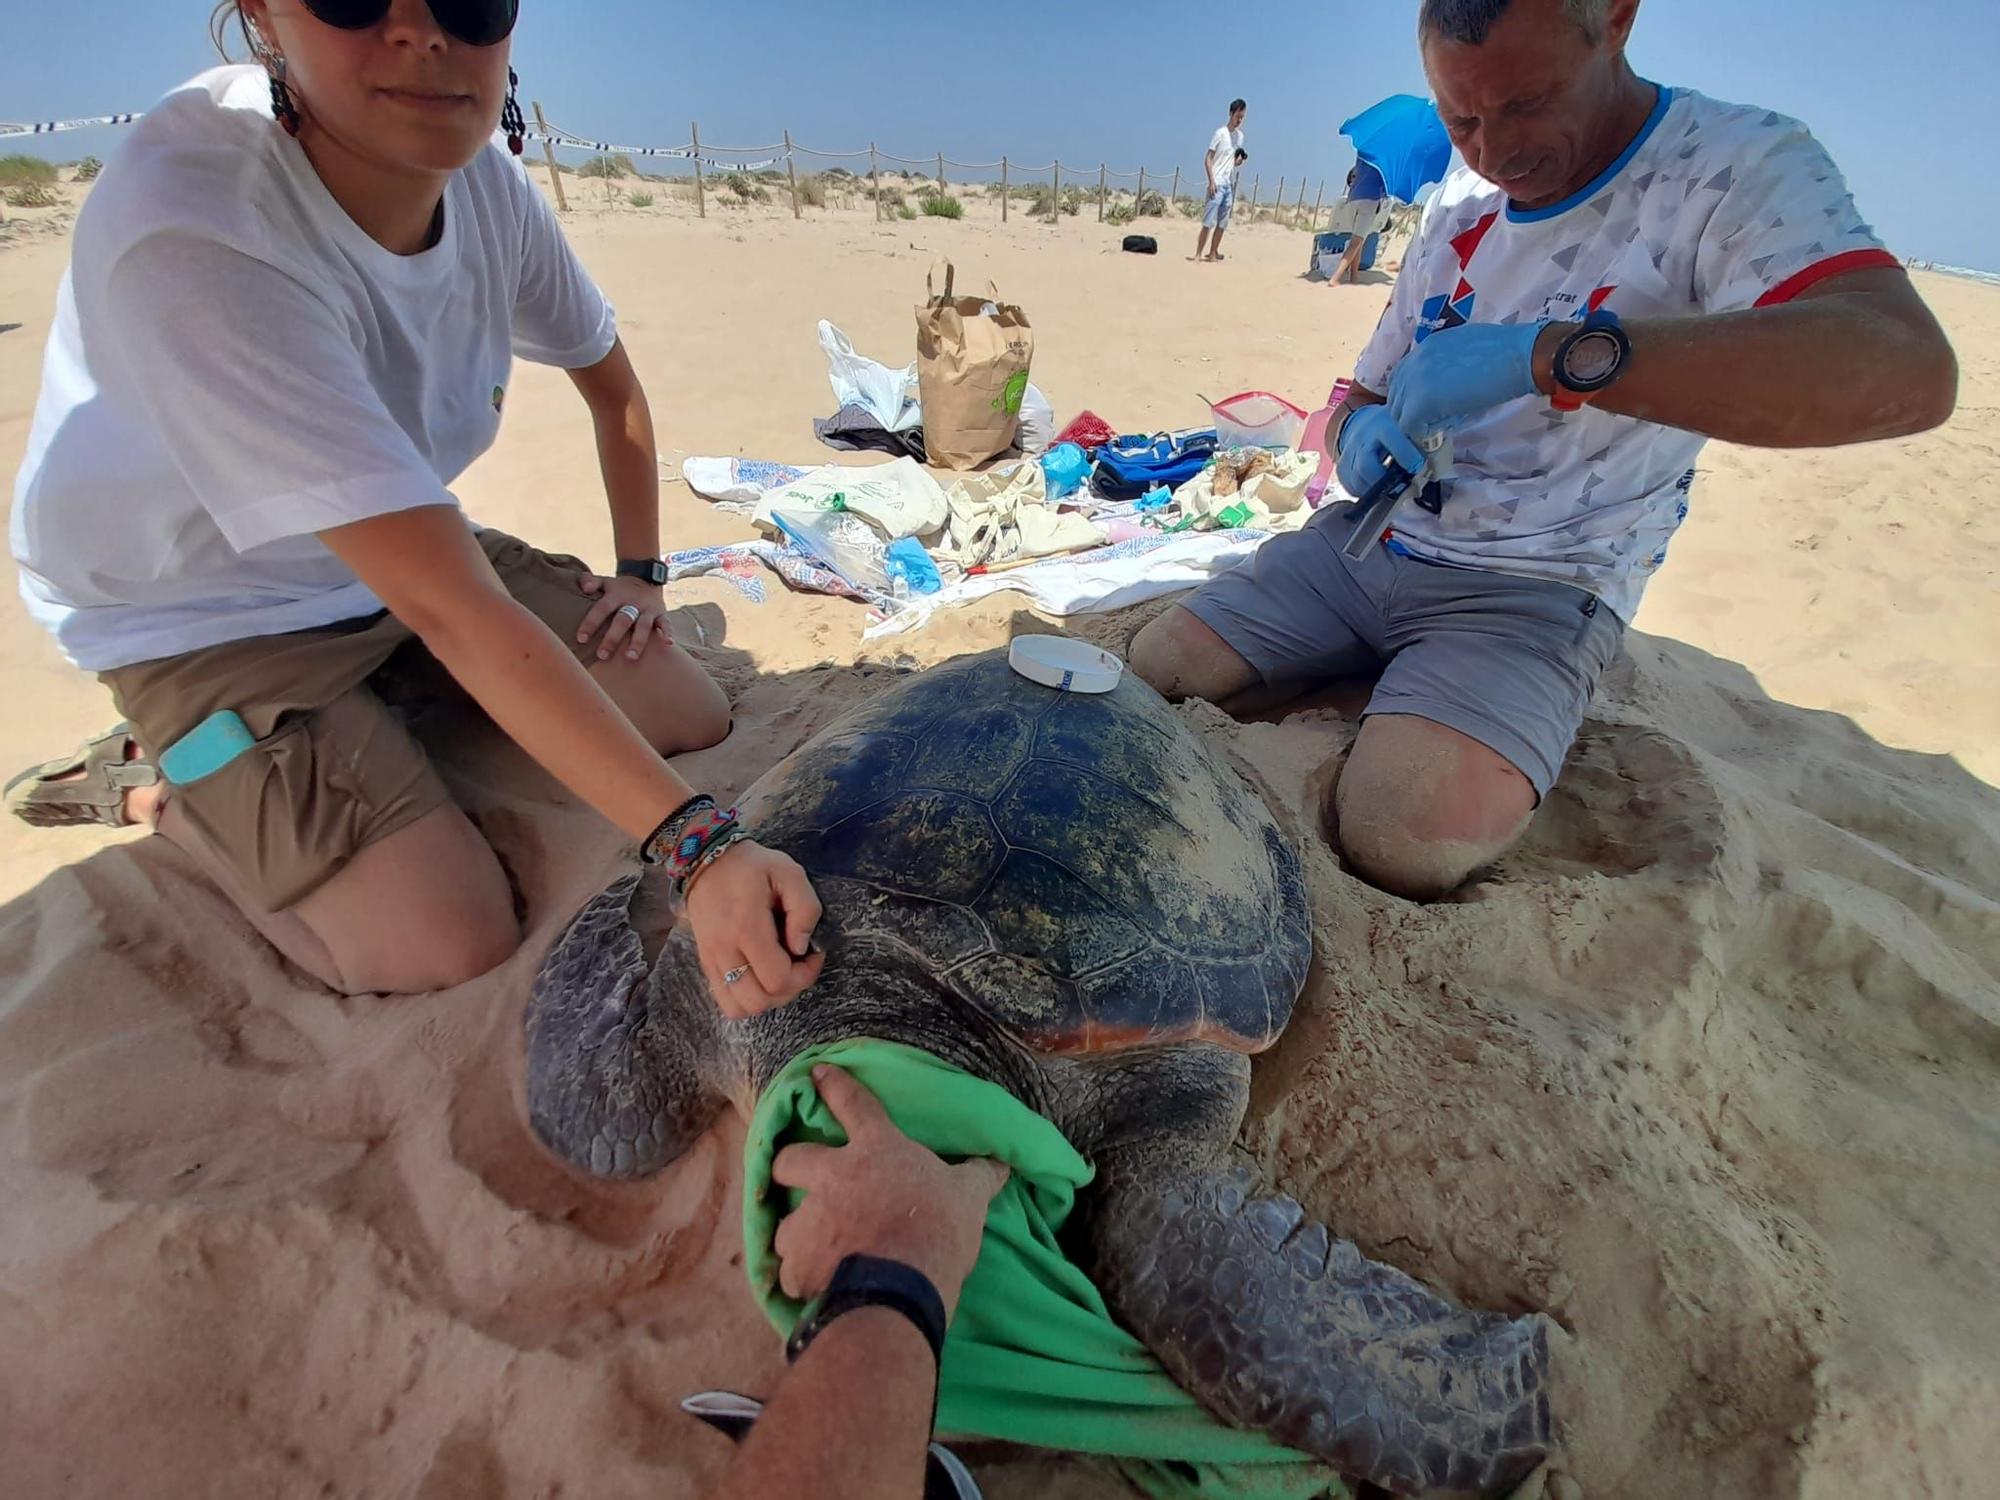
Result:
[[477, 23]]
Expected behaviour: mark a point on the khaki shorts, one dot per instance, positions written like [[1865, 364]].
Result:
[[333, 770]]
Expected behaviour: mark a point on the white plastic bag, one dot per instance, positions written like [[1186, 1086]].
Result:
[[899, 498], [1257, 419], [890, 396], [1037, 431], [846, 544]]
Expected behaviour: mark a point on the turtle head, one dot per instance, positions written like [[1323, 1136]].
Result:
[[624, 1057]]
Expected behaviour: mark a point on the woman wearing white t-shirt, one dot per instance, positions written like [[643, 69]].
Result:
[[288, 324]]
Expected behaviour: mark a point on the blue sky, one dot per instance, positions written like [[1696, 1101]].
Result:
[[1897, 92]]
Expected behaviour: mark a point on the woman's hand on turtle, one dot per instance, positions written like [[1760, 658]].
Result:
[[881, 1194], [753, 912], [627, 616]]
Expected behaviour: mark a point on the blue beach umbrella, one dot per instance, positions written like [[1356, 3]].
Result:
[[1404, 140]]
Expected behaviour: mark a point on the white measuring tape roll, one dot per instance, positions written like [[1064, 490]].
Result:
[[1068, 666]]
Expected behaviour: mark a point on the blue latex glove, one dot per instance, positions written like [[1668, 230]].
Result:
[[1370, 438], [906, 559], [1460, 372]]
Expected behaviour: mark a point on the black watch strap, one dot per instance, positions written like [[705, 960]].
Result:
[[646, 569], [1602, 330], [870, 1281]]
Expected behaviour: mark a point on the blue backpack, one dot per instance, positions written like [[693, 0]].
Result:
[[1129, 466]]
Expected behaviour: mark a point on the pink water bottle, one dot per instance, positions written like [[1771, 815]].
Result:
[[1319, 440]]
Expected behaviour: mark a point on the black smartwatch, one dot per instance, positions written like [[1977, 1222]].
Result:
[[645, 569], [870, 1281], [1588, 360]]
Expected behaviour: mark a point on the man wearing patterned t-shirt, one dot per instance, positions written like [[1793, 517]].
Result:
[[1619, 271]]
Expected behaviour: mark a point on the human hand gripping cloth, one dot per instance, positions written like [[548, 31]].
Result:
[[1033, 1355]]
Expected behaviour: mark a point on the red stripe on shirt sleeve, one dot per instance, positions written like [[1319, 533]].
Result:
[[1852, 260]]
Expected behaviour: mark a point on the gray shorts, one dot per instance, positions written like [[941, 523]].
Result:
[[1510, 661]]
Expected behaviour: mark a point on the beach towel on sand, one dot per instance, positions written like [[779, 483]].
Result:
[[1033, 1356]]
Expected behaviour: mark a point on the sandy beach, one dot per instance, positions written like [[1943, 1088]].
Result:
[[1707, 1069]]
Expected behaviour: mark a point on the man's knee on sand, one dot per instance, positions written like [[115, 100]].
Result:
[[1419, 806], [1180, 657]]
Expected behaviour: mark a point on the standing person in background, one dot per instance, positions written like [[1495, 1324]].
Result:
[[1219, 163]]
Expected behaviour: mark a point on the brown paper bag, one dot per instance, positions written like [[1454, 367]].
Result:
[[972, 370]]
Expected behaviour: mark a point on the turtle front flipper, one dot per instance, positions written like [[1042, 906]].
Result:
[[616, 1078], [1273, 1324]]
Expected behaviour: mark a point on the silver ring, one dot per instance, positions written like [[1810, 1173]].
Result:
[[735, 974], [630, 612]]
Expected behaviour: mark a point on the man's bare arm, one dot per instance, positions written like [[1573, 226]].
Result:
[[851, 1420], [1857, 357]]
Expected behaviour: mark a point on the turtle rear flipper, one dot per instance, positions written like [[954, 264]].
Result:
[[618, 1081], [1273, 1324]]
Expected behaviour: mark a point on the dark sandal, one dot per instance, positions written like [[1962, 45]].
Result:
[[40, 798]]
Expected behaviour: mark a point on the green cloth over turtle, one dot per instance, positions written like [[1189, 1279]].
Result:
[[1033, 1355]]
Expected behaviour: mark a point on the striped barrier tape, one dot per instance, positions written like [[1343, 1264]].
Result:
[[50, 127], [555, 137]]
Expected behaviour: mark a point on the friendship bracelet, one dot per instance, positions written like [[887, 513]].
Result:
[[669, 830], [732, 833], [679, 841], [700, 836]]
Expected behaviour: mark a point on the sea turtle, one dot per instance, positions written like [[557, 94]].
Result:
[[1072, 897]]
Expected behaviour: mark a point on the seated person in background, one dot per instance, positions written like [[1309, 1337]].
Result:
[[1619, 271], [1364, 185]]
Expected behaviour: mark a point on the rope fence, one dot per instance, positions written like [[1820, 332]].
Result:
[[730, 160], [704, 158]]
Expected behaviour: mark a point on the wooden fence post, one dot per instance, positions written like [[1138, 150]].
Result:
[[792, 175], [1003, 190], [941, 191], [1278, 203], [1055, 217], [700, 196], [1139, 198], [1174, 196], [549, 150], [1317, 198], [1256, 183], [1299, 207], [1100, 192], [874, 182]]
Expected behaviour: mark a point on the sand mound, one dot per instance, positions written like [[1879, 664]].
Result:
[[1706, 1070]]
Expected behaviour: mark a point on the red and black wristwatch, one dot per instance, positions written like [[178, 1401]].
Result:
[[1589, 360]]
